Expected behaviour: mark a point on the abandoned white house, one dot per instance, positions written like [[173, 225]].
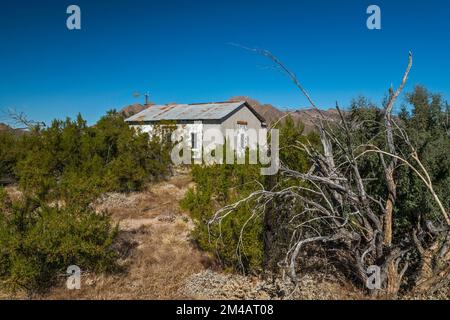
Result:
[[234, 120]]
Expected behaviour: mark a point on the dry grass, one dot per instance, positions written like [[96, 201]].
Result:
[[162, 263], [159, 258], [154, 240]]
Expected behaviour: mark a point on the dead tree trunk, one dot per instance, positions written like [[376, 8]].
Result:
[[336, 208], [394, 278], [269, 229]]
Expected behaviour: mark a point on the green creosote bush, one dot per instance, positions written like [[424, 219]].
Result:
[[8, 154], [60, 171], [424, 117], [219, 185], [38, 243], [70, 159]]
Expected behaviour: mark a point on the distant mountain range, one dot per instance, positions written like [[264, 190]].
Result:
[[5, 127], [271, 113], [132, 109], [307, 116]]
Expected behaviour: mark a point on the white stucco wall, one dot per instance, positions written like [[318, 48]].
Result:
[[182, 129], [245, 115], [231, 129]]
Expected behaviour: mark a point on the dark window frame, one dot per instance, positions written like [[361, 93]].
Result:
[[193, 140]]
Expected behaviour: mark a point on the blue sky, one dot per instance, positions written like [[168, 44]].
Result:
[[179, 52]]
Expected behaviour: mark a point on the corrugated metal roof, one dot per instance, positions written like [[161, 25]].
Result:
[[196, 111]]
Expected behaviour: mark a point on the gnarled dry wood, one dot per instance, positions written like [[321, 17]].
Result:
[[336, 207]]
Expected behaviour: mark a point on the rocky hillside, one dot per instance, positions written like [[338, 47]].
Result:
[[132, 109], [307, 116], [4, 127]]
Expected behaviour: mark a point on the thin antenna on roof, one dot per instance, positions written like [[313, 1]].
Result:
[[146, 95]]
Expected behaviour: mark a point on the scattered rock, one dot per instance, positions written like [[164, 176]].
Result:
[[209, 284], [170, 218]]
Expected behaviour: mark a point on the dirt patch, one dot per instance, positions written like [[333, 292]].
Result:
[[154, 244], [211, 284], [160, 260], [13, 192], [158, 199]]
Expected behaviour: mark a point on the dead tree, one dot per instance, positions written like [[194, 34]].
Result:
[[21, 119], [338, 213]]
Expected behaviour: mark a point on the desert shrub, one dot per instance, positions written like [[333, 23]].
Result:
[[291, 134], [219, 185], [8, 154], [39, 242], [74, 162], [424, 119], [61, 170]]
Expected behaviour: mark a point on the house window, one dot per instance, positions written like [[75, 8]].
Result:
[[166, 135], [193, 140], [242, 135]]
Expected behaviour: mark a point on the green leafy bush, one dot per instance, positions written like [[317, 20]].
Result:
[[424, 119], [38, 242], [61, 170], [220, 185], [72, 161], [217, 186], [7, 154]]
